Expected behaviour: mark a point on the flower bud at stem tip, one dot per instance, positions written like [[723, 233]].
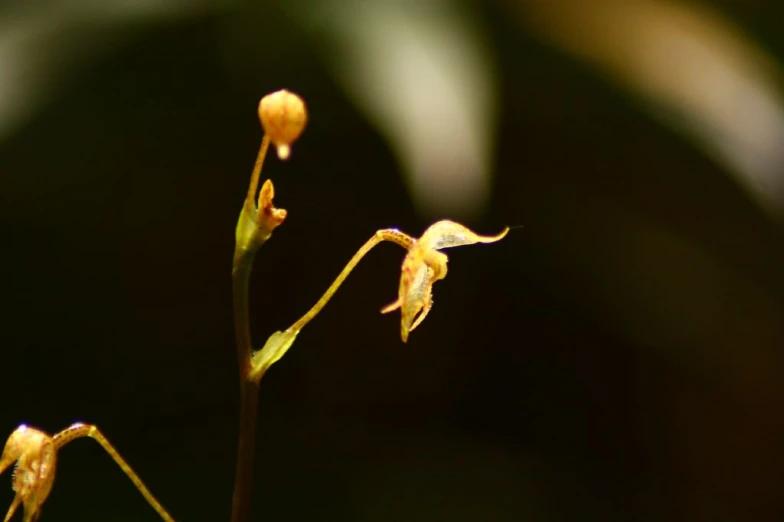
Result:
[[283, 116]]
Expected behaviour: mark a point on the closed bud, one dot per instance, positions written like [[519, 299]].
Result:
[[283, 116]]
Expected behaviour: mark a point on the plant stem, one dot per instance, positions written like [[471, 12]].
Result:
[[244, 254], [80, 430], [387, 234], [240, 280], [248, 389], [243, 478], [255, 225]]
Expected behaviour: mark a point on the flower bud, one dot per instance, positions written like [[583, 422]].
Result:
[[283, 116]]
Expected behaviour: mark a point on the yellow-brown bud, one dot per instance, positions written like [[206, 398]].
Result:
[[283, 116]]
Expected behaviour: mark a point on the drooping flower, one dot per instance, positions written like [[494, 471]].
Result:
[[424, 265], [36, 457]]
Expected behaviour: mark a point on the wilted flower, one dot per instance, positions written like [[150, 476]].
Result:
[[424, 265]]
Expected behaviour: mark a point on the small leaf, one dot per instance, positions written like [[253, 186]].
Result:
[[276, 347]]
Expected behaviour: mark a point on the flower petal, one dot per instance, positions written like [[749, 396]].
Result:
[[445, 234]]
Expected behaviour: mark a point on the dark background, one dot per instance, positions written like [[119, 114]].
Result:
[[616, 358]]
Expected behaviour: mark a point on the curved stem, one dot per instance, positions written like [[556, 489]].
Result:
[[80, 430], [387, 234]]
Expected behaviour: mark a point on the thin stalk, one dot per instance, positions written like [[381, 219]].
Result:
[[246, 447], [80, 430], [249, 388], [240, 280], [254, 177], [388, 234]]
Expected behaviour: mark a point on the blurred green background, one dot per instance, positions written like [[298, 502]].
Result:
[[618, 357]]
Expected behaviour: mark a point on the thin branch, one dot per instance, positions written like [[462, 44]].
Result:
[[387, 234], [79, 430]]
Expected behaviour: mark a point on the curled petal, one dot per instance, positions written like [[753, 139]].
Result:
[[445, 234], [414, 294]]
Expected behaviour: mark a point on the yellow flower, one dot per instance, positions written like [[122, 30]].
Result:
[[36, 458], [424, 265]]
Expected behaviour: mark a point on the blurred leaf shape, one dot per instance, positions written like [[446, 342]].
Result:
[[43, 44], [421, 72], [701, 74]]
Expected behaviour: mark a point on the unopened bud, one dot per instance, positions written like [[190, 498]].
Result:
[[283, 116]]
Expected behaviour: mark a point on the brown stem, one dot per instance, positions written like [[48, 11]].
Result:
[[261, 226], [243, 478], [248, 389]]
